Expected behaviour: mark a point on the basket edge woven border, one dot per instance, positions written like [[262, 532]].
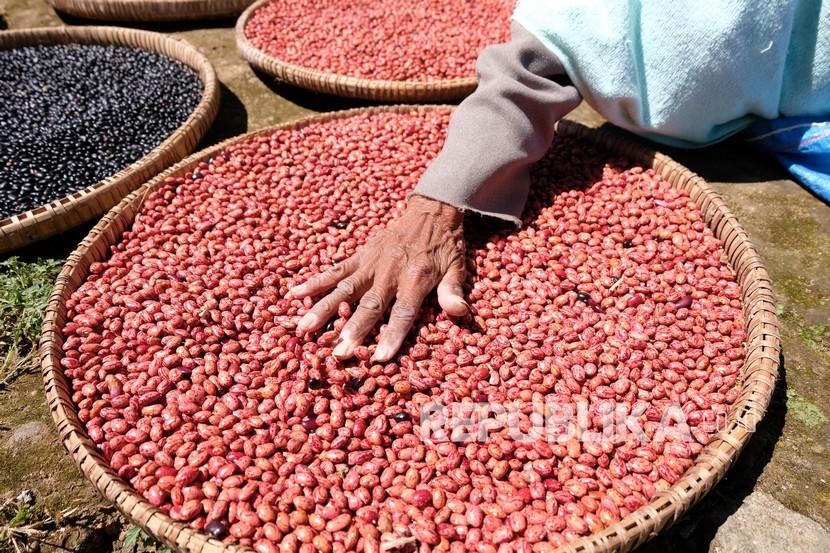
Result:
[[83, 205], [759, 372], [150, 10], [343, 85]]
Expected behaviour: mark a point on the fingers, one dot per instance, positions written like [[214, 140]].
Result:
[[348, 290], [401, 319], [370, 310], [411, 294], [450, 290], [375, 288], [325, 280]]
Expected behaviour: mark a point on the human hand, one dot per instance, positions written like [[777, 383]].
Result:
[[405, 261]]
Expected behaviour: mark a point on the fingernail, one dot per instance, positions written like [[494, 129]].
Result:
[[296, 290], [342, 349], [308, 321], [382, 353]]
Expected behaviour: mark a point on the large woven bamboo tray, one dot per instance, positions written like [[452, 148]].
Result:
[[757, 378], [150, 10], [81, 206], [342, 85]]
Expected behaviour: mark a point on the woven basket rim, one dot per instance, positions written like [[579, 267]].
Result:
[[35, 223], [758, 374], [150, 10], [346, 85]]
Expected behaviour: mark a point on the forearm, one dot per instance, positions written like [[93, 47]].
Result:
[[501, 129]]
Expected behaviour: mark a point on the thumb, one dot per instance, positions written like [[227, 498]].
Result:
[[450, 289]]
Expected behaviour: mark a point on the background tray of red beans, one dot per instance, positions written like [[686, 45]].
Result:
[[391, 51], [182, 390]]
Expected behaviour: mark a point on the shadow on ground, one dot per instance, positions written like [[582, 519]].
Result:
[[232, 119], [318, 101], [56, 247], [733, 162], [159, 27], [694, 532], [314, 101]]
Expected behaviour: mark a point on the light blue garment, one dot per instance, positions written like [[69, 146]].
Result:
[[690, 72], [801, 144]]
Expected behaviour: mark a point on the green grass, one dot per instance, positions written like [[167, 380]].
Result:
[[22, 525], [815, 335], [804, 410], [136, 535], [24, 291], [21, 515]]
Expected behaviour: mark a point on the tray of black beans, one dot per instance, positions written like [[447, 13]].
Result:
[[73, 115]]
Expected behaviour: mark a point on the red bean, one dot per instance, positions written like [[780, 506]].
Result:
[[188, 511], [266, 513], [155, 495], [187, 475], [474, 516], [265, 546], [517, 522], [421, 498], [210, 412], [339, 522]]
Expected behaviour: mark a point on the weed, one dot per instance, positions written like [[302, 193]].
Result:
[[24, 292], [23, 525], [814, 335], [136, 535], [804, 410]]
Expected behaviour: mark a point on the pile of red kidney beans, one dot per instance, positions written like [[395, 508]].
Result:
[[187, 372], [426, 40]]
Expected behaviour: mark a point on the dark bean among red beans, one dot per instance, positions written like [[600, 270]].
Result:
[[420, 40], [216, 529], [186, 370], [72, 115]]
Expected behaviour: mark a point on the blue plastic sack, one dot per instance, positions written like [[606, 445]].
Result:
[[801, 144]]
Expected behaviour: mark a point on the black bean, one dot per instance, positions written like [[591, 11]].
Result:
[[354, 384], [72, 115], [401, 416], [583, 297], [216, 529], [627, 243], [314, 384]]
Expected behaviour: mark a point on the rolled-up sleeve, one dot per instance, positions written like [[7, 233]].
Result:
[[500, 130]]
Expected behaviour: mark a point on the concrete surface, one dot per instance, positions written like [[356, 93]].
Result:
[[27, 434], [775, 498], [764, 525]]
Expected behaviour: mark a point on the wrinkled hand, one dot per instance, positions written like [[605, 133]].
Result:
[[405, 261]]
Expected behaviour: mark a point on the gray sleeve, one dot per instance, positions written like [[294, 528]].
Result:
[[500, 130]]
